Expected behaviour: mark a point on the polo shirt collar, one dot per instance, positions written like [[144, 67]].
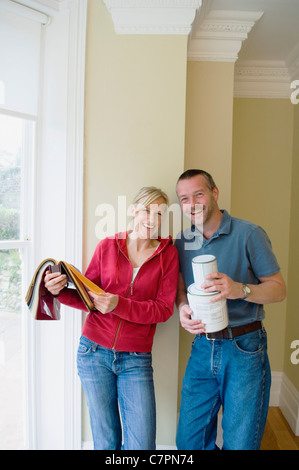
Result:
[[225, 224], [224, 227]]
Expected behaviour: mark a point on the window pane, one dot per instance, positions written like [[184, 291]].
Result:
[[11, 352], [11, 149]]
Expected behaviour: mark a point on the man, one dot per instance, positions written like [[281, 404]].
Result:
[[230, 367]]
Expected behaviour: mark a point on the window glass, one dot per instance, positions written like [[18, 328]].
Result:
[[16, 157], [11, 135], [12, 410]]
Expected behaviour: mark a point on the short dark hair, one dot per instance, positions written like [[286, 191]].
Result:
[[190, 173]]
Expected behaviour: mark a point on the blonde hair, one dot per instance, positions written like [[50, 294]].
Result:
[[150, 194]]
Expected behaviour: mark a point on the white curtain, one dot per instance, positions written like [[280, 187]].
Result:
[[20, 40]]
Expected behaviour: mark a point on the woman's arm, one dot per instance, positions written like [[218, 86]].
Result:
[[150, 311]]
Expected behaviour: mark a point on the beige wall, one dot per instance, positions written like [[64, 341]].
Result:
[[135, 131], [265, 190], [292, 319], [136, 99], [261, 189], [135, 114], [209, 117]]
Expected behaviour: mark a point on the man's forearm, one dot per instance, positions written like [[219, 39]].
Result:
[[181, 299], [268, 291]]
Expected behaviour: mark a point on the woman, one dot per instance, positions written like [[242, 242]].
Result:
[[138, 270]]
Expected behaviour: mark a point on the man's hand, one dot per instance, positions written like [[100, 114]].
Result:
[[270, 288], [195, 327], [228, 289]]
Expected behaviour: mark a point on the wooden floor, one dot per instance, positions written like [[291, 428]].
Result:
[[278, 434]]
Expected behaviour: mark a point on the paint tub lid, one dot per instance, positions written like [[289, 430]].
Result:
[[202, 259], [193, 290]]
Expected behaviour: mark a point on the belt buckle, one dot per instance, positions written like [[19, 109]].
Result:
[[219, 335], [208, 338]]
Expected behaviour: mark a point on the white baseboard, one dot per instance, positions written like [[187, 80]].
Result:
[[289, 404], [277, 379], [284, 395], [87, 445]]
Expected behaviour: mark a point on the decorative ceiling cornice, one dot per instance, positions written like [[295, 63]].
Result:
[[266, 79], [219, 35], [261, 80], [152, 16]]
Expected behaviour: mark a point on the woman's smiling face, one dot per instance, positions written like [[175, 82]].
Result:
[[148, 219]]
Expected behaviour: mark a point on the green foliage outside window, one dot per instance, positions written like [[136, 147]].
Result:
[[10, 261]]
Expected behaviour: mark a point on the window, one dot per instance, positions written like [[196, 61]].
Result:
[[16, 159], [42, 58], [20, 40]]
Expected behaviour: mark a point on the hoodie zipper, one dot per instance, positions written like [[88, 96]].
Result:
[[116, 334], [130, 291]]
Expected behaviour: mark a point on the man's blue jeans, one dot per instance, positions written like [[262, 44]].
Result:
[[119, 391], [234, 373]]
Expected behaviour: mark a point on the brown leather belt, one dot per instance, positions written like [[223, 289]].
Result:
[[229, 333]]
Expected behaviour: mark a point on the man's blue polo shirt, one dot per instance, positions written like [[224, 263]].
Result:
[[243, 251]]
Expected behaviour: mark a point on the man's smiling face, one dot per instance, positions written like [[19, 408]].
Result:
[[198, 202]]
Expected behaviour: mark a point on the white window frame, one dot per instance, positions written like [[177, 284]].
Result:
[[60, 426], [53, 389], [24, 244]]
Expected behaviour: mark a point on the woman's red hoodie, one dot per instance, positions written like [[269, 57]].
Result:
[[142, 304]]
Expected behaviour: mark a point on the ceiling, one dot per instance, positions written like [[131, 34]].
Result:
[[267, 32], [260, 36], [274, 37]]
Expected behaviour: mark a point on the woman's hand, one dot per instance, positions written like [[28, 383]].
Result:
[[105, 302], [55, 282]]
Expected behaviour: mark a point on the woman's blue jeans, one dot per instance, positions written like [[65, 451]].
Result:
[[120, 396], [234, 373]]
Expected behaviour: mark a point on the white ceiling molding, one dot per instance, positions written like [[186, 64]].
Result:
[[220, 34], [262, 80], [152, 16], [266, 79], [292, 63]]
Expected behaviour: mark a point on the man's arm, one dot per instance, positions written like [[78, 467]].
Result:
[[271, 288], [192, 326]]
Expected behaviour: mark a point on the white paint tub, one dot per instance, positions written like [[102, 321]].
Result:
[[213, 315]]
